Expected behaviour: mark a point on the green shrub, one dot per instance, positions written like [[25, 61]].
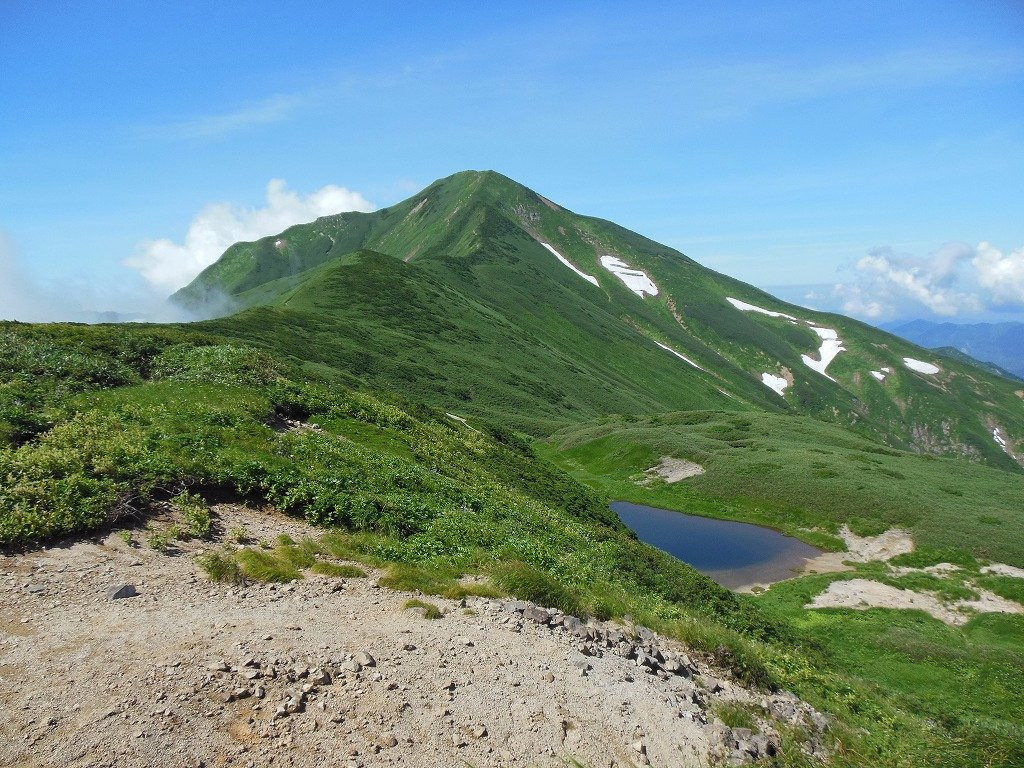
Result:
[[160, 540], [217, 364], [195, 514]]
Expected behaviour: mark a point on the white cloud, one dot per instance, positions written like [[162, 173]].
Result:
[[169, 266], [956, 279], [1002, 274], [275, 109]]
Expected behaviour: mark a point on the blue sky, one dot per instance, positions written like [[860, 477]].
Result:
[[875, 145]]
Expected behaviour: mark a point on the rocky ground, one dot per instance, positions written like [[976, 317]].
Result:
[[332, 672]]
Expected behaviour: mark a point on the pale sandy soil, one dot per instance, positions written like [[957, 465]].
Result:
[[862, 549], [673, 470], [193, 673], [865, 593], [1002, 569]]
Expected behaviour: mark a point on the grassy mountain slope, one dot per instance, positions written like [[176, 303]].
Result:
[[474, 312]]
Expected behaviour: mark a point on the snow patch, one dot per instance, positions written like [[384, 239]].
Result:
[[878, 375], [776, 383], [1001, 442], [742, 306], [636, 280], [462, 421], [831, 345], [570, 265], [920, 366], [681, 357]]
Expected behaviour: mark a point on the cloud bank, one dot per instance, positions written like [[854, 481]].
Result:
[[168, 266], [20, 297], [957, 279]]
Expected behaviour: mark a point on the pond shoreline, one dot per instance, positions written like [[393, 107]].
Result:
[[740, 556]]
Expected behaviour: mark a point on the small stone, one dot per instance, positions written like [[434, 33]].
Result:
[[365, 659], [219, 666], [122, 591], [537, 615]]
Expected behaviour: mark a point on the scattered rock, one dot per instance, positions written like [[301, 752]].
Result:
[[121, 592], [365, 659]]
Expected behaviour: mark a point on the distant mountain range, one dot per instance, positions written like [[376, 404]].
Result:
[[1001, 344]]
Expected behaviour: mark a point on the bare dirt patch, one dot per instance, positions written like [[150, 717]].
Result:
[[862, 549], [672, 470], [862, 594], [1002, 569]]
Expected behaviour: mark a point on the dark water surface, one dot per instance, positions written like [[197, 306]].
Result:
[[733, 554]]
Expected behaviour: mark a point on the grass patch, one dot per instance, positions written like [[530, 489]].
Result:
[[267, 566], [338, 571], [221, 566], [737, 715], [1005, 586], [924, 557], [403, 577], [430, 611], [949, 589], [528, 582]]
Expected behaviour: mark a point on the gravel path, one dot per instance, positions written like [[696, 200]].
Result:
[[331, 672]]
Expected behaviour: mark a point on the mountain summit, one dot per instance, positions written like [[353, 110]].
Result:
[[480, 294]]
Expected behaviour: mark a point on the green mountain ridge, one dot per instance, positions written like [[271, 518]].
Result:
[[454, 293]]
